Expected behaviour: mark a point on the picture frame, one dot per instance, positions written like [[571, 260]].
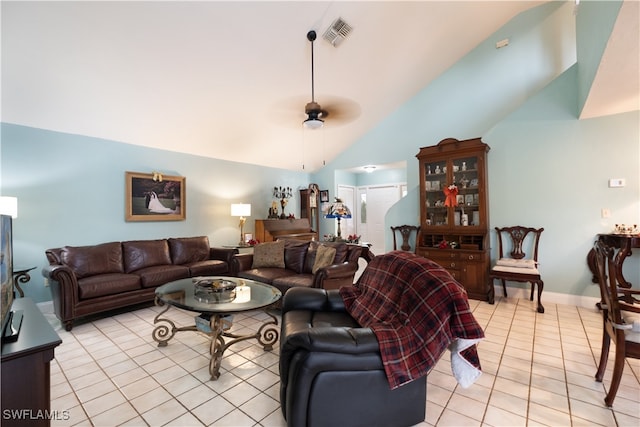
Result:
[[324, 196], [154, 197]]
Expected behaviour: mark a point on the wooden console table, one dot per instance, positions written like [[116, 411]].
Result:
[[624, 243], [26, 379]]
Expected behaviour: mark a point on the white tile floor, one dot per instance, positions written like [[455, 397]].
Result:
[[538, 370]]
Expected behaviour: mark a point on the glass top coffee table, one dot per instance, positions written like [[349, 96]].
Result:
[[215, 298]]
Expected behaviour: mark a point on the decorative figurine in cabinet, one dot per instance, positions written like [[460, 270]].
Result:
[[454, 213]]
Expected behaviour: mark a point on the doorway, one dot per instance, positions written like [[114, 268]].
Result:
[[374, 202]]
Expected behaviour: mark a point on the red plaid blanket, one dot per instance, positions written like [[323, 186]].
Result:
[[417, 311]]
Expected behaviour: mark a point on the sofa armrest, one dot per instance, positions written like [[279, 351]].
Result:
[[333, 340], [242, 262], [223, 254], [335, 276], [312, 299], [64, 291]]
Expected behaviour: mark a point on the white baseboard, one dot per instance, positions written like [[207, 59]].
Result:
[[549, 297]]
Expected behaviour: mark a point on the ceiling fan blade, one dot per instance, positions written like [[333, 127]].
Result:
[[339, 111]]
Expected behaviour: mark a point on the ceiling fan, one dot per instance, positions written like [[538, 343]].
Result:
[[315, 113], [341, 110]]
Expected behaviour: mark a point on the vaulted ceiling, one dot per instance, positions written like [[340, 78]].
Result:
[[230, 80]]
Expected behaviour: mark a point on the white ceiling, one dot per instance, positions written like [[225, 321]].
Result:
[[229, 80]]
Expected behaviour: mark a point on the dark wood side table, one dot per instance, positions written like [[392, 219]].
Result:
[[624, 243], [26, 379]]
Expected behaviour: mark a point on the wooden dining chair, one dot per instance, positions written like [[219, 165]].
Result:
[[620, 319], [514, 265], [405, 232]]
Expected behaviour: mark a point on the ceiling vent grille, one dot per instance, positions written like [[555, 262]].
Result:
[[337, 32]]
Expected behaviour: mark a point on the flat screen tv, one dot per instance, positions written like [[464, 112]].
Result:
[[11, 320]]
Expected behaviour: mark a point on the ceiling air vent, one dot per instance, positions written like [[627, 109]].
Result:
[[337, 32]]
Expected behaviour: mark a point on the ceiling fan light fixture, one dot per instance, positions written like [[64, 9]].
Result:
[[369, 168], [313, 123]]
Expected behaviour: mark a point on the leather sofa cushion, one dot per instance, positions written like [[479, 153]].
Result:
[[140, 254], [340, 257], [186, 250], [296, 280], [212, 267], [161, 274], [265, 275], [107, 284], [88, 261], [295, 252]]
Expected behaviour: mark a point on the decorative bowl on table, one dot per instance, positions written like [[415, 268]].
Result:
[[214, 289]]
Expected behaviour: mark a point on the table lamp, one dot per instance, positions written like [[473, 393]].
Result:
[[242, 210], [338, 210]]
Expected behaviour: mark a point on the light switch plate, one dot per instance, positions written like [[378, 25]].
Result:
[[616, 182]]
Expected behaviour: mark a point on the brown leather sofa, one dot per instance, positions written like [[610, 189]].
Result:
[[91, 279], [299, 258]]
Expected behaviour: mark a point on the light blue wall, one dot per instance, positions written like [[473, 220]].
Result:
[[71, 191], [546, 167], [468, 99], [381, 177]]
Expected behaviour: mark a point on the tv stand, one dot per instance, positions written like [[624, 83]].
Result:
[[26, 380]]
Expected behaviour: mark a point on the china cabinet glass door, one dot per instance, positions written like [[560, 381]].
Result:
[[468, 201], [435, 183]]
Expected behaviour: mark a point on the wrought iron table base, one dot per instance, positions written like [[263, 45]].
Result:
[[165, 329]]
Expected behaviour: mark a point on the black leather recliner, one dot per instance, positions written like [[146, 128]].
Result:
[[331, 371]]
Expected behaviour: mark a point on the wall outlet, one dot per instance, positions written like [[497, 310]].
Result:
[[46, 282], [616, 182]]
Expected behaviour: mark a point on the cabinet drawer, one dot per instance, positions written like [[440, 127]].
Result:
[[472, 256], [439, 254], [449, 265]]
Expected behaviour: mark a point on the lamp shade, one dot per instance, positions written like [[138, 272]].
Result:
[[338, 210], [9, 206], [240, 209]]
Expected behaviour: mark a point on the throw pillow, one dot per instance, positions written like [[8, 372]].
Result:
[[270, 254], [324, 258]]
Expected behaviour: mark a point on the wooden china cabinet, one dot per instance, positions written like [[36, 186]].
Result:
[[454, 212]]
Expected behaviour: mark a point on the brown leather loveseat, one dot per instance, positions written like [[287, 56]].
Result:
[[91, 279], [296, 263]]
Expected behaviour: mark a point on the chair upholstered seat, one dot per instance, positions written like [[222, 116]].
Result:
[[633, 332], [516, 267]]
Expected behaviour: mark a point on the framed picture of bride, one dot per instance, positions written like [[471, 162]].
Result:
[[154, 197]]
